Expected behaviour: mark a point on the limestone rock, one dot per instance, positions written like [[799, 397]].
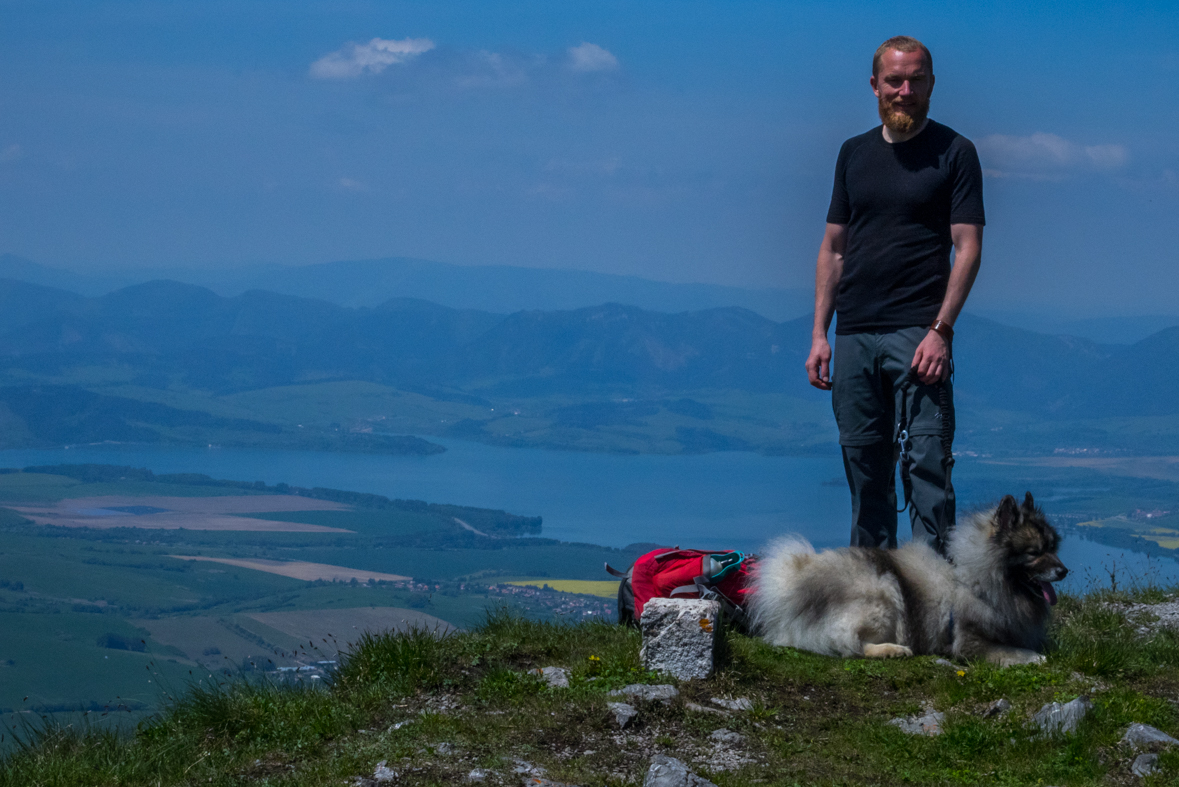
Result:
[[623, 713], [703, 709], [1145, 764], [661, 692], [536, 781], [741, 703], [556, 677], [526, 768], [727, 736], [1143, 736], [929, 724], [1164, 615], [382, 774], [679, 637], [670, 772], [1056, 718], [996, 709]]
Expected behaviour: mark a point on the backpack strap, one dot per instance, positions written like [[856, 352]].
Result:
[[733, 612], [616, 573]]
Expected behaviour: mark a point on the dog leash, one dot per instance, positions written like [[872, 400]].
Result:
[[905, 443]]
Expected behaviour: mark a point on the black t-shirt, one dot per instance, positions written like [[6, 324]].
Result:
[[898, 202]]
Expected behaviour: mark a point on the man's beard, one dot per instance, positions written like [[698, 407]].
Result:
[[900, 121]]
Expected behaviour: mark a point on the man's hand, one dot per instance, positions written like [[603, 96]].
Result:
[[931, 361], [818, 364]]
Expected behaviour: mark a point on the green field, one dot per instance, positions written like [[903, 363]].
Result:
[[710, 420], [76, 603]]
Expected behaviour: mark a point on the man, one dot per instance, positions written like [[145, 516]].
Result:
[[905, 193]]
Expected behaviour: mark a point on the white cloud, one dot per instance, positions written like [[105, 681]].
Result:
[[350, 184], [374, 57], [12, 153], [1047, 155], [491, 69], [591, 57]]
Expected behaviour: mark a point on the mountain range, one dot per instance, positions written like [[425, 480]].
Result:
[[605, 364], [494, 288], [178, 333], [505, 289]]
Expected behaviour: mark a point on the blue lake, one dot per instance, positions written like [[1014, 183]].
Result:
[[722, 500]]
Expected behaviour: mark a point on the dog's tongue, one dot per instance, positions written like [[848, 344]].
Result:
[[1048, 591]]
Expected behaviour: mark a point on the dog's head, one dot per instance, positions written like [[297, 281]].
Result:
[[1029, 545]]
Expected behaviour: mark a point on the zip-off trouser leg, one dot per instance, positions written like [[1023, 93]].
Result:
[[867, 397]]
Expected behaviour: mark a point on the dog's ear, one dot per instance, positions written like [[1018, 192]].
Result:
[[1007, 514], [1029, 505]]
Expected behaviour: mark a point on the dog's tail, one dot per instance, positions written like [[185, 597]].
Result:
[[788, 545], [770, 603]]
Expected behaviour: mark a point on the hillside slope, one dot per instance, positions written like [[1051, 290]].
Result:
[[414, 709]]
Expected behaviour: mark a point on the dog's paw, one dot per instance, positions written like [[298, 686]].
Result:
[[886, 650]]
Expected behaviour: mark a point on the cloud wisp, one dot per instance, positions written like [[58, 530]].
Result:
[[492, 69], [1047, 156], [462, 69], [355, 60], [587, 57]]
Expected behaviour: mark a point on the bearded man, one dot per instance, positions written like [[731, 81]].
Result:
[[906, 193]]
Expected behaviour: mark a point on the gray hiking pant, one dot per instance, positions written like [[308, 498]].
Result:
[[867, 374]]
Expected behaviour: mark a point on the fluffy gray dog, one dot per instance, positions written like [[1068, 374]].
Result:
[[991, 600]]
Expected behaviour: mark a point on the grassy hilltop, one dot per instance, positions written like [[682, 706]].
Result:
[[434, 709]]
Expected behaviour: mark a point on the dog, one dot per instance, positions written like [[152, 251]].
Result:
[[992, 599]]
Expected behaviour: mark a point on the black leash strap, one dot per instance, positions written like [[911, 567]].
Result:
[[905, 443]]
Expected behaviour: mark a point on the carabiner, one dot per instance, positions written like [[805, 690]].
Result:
[[904, 443]]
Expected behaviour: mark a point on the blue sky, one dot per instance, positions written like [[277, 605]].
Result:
[[685, 141]]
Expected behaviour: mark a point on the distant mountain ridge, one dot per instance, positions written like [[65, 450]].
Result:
[[180, 331], [503, 289], [494, 288], [171, 333]]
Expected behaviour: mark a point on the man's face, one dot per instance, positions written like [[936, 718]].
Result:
[[902, 89]]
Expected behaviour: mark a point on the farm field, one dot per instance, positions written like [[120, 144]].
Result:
[[336, 630], [53, 663], [214, 641], [102, 607], [298, 569], [154, 512], [589, 587], [710, 420], [1165, 468]]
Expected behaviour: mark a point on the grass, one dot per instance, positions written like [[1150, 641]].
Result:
[[436, 707]]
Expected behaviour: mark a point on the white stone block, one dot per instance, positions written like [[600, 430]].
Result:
[[680, 636]]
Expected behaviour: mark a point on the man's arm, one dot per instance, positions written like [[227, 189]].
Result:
[[932, 359], [828, 271]]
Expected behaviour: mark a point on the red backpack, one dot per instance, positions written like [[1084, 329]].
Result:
[[723, 576]]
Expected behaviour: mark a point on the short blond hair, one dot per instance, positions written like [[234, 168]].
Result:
[[901, 44]]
